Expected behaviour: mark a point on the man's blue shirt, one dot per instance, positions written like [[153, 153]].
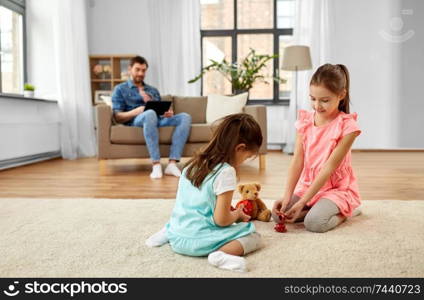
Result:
[[126, 96]]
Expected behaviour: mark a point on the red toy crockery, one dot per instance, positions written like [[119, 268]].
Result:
[[248, 206], [281, 226]]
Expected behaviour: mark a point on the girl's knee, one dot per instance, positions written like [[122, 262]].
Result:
[[251, 242], [315, 224], [322, 217]]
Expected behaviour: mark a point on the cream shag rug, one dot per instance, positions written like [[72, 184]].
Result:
[[105, 238]]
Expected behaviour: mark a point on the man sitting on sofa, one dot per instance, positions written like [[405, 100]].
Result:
[[128, 101]]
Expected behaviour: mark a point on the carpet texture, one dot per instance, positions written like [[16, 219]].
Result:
[[105, 238]]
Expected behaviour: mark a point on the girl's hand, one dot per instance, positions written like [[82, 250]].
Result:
[[280, 205], [294, 212], [241, 216]]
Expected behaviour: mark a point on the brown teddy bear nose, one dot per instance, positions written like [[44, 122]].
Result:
[[256, 194]]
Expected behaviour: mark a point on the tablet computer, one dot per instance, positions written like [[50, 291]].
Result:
[[160, 107]]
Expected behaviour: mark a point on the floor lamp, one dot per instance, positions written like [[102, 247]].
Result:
[[296, 58]]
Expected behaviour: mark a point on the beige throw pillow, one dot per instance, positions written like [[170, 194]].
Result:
[[220, 106]]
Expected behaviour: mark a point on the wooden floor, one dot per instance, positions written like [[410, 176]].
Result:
[[381, 175]]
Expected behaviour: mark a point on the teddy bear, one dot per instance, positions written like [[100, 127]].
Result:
[[253, 205]]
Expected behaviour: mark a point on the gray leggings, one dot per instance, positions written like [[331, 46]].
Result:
[[250, 242], [322, 217]]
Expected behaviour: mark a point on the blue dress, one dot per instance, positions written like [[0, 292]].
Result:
[[192, 229]]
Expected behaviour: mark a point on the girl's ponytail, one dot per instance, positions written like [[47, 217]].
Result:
[[344, 104]]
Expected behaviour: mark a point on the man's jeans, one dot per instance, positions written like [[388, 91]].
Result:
[[151, 122]]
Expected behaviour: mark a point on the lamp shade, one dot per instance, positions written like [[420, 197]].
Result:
[[296, 58]]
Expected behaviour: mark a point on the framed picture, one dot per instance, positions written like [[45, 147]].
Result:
[[103, 97]]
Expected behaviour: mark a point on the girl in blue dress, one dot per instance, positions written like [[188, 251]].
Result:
[[202, 222]]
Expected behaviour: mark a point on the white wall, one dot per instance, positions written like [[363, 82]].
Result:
[[28, 127], [411, 100], [120, 27], [374, 66], [384, 75]]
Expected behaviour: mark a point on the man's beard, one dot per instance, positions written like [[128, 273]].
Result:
[[138, 79]]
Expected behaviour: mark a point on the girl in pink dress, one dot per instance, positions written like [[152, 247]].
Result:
[[321, 187]]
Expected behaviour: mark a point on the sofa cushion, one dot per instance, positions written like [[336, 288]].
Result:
[[129, 135], [220, 106], [200, 133], [121, 134], [194, 106]]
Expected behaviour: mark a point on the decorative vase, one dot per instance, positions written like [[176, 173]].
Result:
[[29, 94]]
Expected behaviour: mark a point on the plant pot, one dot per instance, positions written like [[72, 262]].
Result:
[[29, 94], [238, 92]]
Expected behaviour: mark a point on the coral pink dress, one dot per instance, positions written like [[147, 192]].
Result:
[[318, 144]]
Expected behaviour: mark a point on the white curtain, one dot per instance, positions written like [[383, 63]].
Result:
[[312, 28], [175, 44], [73, 78]]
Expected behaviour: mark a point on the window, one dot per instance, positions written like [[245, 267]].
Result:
[[229, 28], [12, 46]]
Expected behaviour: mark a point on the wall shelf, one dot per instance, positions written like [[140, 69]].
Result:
[[107, 71]]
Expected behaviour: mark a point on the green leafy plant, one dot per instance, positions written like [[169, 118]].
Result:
[[241, 76], [29, 87]]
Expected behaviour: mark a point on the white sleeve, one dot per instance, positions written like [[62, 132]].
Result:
[[225, 181]]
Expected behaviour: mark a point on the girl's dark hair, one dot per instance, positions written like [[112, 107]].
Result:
[[138, 59], [335, 78], [232, 130]]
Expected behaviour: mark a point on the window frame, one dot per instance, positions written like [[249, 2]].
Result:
[[276, 33], [17, 6]]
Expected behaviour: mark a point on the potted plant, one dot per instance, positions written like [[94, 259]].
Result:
[[241, 76], [29, 90]]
